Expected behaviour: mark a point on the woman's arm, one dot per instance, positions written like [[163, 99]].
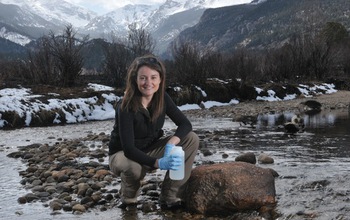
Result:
[[184, 126]]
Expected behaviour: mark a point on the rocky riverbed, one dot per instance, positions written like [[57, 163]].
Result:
[[69, 175]]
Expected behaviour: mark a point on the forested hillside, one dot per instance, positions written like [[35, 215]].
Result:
[[268, 24]]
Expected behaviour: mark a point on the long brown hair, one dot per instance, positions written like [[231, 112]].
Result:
[[132, 96]]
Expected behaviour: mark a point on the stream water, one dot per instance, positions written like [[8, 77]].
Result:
[[314, 166]]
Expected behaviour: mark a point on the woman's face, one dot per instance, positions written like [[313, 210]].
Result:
[[148, 81]]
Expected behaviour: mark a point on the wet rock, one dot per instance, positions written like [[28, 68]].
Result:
[[108, 197], [273, 172], [31, 197], [37, 185], [22, 200], [265, 159], [86, 200], [148, 187], [19, 213], [316, 185], [224, 156], [63, 178], [206, 152], [15, 154], [153, 193], [97, 186], [56, 205], [247, 157], [149, 207], [28, 156], [96, 197], [82, 188], [79, 208], [67, 207], [100, 174], [229, 187], [58, 174], [50, 189]]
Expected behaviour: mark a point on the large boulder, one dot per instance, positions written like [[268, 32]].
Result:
[[227, 188]]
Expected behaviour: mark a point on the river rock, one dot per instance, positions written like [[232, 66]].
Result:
[[82, 188], [79, 208], [229, 187], [265, 159], [248, 157]]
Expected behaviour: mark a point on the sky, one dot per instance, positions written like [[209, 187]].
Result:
[[26, 104], [105, 6]]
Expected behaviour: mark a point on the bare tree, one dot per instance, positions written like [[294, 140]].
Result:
[[41, 66], [189, 63], [117, 59], [57, 59], [140, 40], [214, 64], [243, 65], [66, 50], [13, 71]]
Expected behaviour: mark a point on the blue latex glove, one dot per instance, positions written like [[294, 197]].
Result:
[[167, 149], [171, 162]]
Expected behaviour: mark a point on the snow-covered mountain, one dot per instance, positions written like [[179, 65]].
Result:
[[164, 21], [117, 21], [55, 11], [33, 18]]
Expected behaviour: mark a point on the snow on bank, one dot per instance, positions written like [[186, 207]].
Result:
[[22, 101]]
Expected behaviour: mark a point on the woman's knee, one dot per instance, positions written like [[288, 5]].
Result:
[[118, 163], [194, 138], [191, 141]]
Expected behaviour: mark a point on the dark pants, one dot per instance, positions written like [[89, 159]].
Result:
[[131, 173]]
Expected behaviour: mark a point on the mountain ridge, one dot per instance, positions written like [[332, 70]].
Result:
[[56, 14], [266, 25]]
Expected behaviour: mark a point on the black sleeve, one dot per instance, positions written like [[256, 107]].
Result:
[[114, 143], [184, 126]]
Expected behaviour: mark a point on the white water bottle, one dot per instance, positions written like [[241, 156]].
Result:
[[180, 173]]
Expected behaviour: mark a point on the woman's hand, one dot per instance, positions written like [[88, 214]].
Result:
[[172, 162]]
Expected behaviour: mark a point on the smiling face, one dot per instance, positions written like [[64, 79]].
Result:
[[148, 81]]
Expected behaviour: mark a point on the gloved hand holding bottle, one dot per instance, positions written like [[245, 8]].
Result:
[[171, 162]]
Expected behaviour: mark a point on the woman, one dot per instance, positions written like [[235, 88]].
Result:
[[137, 143]]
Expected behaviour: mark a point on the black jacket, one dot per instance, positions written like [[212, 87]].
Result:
[[134, 133]]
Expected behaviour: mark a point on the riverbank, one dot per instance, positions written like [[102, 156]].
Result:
[[47, 106], [333, 101]]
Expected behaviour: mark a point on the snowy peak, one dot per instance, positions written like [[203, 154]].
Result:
[[132, 13], [56, 11], [175, 6], [118, 21]]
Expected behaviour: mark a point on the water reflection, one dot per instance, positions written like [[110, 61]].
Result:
[[327, 134], [322, 119]]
